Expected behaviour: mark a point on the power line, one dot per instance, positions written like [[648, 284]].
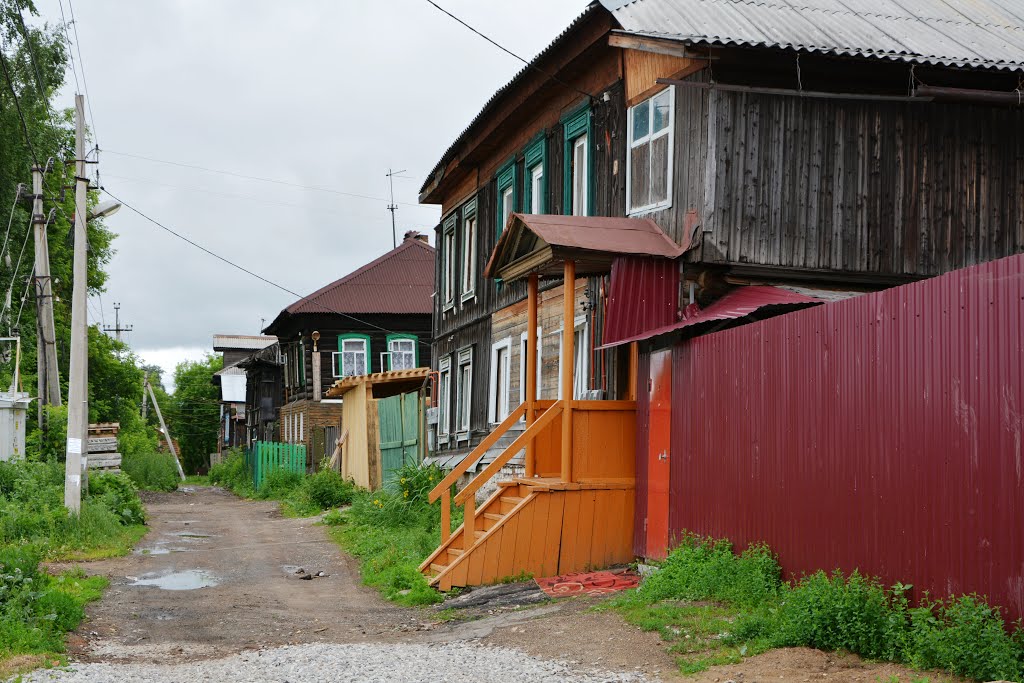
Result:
[[245, 270], [85, 83], [14, 276], [504, 49], [257, 178], [17, 104], [10, 220], [67, 38]]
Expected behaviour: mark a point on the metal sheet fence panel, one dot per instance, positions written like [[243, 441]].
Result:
[[643, 414], [882, 433]]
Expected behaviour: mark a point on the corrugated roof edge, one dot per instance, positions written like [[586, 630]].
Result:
[[490, 103], [907, 57]]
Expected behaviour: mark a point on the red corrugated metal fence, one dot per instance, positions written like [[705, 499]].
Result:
[[643, 295], [882, 433]]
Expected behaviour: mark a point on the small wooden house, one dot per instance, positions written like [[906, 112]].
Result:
[[383, 422], [375, 319], [232, 380]]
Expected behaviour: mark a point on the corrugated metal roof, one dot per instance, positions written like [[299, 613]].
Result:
[[643, 295], [736, 304], [400, 281], [232, 342], [963, 33]]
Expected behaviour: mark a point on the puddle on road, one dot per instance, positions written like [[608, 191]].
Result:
[[191, 535], [188, 580]]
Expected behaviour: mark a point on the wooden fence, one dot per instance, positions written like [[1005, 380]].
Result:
[[266, 456]]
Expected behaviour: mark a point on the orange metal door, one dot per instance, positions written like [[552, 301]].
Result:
[[659, 389]]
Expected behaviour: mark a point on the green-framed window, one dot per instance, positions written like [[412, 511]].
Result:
[[507, 194], [578, 198], [535, 176], [353, 356], [403, 351]]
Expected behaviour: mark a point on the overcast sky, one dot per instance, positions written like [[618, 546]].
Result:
[[313, 93]]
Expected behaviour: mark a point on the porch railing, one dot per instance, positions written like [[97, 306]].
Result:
[[265, 457], [467, 496]]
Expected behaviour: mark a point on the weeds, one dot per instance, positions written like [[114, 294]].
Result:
[[151, 471], [37, 609], [715, 607], [392, 531]]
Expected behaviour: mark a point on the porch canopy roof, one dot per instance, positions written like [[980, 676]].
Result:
[[542, 243]]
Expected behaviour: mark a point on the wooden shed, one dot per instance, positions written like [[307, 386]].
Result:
[[382, 422]]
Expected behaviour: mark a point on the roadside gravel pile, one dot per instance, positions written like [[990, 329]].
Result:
[[322, 663]]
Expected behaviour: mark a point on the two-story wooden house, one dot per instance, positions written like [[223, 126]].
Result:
[[231, 379], [374, 319], [816, 147]]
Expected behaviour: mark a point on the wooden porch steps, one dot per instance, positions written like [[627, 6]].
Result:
[[537, 527]]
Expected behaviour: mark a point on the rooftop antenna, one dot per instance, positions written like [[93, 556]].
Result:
[[392, 207]]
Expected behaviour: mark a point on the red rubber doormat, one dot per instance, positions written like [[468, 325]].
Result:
[[589, 583]]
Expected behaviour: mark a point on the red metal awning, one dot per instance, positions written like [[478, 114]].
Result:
[[736, 304]]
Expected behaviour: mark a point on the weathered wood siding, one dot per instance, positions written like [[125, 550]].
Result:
[[859, 186]]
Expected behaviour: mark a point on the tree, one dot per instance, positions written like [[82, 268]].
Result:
[[194, 415]]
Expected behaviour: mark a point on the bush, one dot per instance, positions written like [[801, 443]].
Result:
[[119, 494], [966, 637], [707, 569], [231, 473], [279, 484], [326, 489], [842, 613], [151, 471]]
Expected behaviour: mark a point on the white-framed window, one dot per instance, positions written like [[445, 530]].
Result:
[[352, 357], [302, 427], [501, 380], [522, 364], [507, 199], [581, 358], [579, 176], [444, 399], [448, 264], [537, 189], [649, 162], [402, 352], [464, 393], [469, 251]]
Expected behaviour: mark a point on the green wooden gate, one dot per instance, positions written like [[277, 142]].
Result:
[[399, 418]]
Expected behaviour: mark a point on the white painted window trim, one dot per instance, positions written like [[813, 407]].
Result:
[[522, 364], [392, 352], [465, 357], [496, 413], [335, 364], [536, 187], [581, 208], [647, 139], [302, 427], [448, 264], [444, 418], [467, 264], [579, 324], [366, 356]]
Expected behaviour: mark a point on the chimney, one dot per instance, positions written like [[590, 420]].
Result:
[[416, 235]]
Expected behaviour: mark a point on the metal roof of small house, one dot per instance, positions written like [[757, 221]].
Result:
[[242, 342], [957, 33], [400, 281], [341, 386]]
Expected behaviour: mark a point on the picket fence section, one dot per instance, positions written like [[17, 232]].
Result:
[[267, 456]]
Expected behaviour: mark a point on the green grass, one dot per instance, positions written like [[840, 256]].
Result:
[[714, 607], [37, 609], [151, 471], [196, 480], [392, 532]]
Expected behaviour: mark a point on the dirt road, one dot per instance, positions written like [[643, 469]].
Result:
[[249, 555], [217, 576]]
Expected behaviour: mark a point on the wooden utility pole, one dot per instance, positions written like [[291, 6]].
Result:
[[145, 396], [78, 372], [46, 337], [163, 426]]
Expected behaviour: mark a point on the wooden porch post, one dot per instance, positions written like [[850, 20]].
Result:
[[531, 369], [568, 364]]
